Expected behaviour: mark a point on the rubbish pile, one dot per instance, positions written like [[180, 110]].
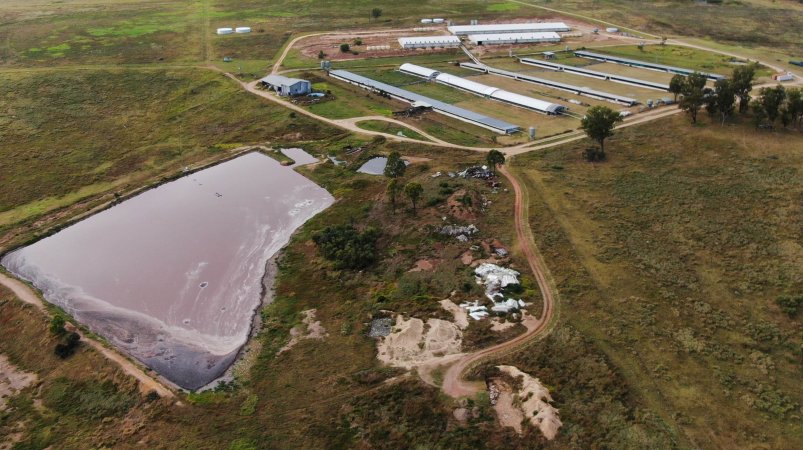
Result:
[[462, 233], [481, 172], [495, 278]]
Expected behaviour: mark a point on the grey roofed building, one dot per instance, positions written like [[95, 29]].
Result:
[[285, 86]]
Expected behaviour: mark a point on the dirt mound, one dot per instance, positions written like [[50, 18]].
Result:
[[534, 401], [412, 343]]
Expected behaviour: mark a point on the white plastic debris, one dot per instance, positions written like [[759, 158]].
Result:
[[495, 278]]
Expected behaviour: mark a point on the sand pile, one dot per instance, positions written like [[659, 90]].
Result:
[[412, 343], [534, 402]]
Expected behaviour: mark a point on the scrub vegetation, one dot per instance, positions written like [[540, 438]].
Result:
[[678, 285]]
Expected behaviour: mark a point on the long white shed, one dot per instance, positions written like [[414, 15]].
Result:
[[429, 42], [513, 38], [496, 28]]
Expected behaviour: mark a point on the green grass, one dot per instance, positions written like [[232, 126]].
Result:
[[389, 128], [672, 281], [685, 57], [69, 135]]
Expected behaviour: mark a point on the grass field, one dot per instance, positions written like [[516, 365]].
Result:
[[390, 128], [674, 281], [71, 134]]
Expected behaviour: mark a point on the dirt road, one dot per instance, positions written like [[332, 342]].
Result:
[[146, 383], [453, 383]]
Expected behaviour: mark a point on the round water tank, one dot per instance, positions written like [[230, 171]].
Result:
[[242, 30], [612, 30], [426, 20], [438, 20], [225, 31]]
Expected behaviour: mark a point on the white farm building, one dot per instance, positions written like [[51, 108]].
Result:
[[500, 28], [429, 42], [285, 86], [513, 38]]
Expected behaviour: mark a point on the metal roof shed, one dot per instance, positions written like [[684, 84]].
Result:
[[533, 27], [285, 86], [418, 71]]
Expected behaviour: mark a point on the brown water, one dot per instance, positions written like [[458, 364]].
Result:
[[173, 276]]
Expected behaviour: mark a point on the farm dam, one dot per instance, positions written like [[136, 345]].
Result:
[[173, 276]]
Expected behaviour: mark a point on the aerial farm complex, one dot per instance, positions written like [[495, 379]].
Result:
[[522, 80], [451, 224]]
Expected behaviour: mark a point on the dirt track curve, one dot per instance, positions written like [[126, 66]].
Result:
[[453, 383], [146, 382]]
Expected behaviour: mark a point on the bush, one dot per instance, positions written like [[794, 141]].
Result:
[[789, 305], [345, 48], [66, 348], [347, 247], [57, 325]]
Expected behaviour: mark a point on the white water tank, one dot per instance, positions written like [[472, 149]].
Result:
[[612, 30], [426, 20], [225, 31], [242, 30], [438, 20]]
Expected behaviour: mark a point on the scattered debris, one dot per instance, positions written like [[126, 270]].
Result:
[[534, 400], [481, 172], [436, 175], [475, 310], [495, 278], [380, 327], [461, 233], [314, 331]]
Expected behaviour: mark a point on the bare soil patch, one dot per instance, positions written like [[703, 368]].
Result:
[[12, 380]]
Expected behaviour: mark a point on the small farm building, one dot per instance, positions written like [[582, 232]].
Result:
[[287, 86]]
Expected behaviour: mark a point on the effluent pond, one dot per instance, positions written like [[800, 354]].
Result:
[[174, 275]]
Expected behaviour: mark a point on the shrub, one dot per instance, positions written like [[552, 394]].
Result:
[[57, 325], [66, 348], [345, 48], [789, 305], [347, 247]]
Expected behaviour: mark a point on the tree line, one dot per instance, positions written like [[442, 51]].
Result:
[[728, 95]]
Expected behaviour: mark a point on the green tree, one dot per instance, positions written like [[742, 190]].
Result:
[[771, 100], [392, 192], [493, 158], [413, 191], [725, 98], [321, 55], [676, 85], [694, 95], [376, 13], [395, 166], [598, 124], [57, 325], [794, 106], [347, 247], [742, 78], [345, 48]]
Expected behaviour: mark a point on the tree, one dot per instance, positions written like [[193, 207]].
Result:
[[347, 247], [395, 166], [67, 348], [375, 13], [725, 98], [598, 124], [693, 95], [493, 158], [321, 55], [742, 84], [676, 85], [794, 106], [771, 100], [358, 41], [57, 325], [345, 48], [413, 191], [392, 191]]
